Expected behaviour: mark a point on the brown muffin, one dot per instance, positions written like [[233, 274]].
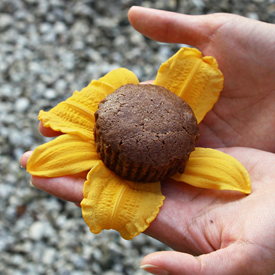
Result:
[[145, 132]]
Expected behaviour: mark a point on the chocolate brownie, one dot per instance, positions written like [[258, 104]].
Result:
[[145, 132]]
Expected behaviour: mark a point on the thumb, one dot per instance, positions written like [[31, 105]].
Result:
[[172, 263], [227, 261], [173, 27]]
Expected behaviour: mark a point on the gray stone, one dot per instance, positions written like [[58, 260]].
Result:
[[68, 60], [6, 21], [60, 27], [198, 3], [6, 191], [49, 256], [40, 229], [45, 27], [79, 45], [78, 261], [17, 260], [6, 90], [36, 231], [49, 37], [22, 104], [50, 93], [15, 137], [136, 38], [252, 15], [120, 41]]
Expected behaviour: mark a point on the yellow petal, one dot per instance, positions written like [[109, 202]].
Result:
[[65, 155], [209, 168], [113, 203], [118, 77], [195, 79], [76, 114]]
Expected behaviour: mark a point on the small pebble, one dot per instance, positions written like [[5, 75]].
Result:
[[22, 104]]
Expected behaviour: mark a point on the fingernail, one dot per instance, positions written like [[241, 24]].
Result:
[[31, 184], [156, 270]]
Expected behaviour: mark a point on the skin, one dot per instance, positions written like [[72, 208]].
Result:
[[243, 48], [233, 233]]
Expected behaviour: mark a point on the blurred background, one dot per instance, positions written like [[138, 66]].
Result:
[[49, 49]]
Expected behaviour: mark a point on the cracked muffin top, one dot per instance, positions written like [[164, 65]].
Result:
[[145, 127]]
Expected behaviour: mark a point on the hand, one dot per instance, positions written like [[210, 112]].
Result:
[[196, 221], [244, 114], [233, 232]]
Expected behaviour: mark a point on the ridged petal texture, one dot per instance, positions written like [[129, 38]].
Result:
[[194, 78], [113, 203], [65, 155], [76, 114], [213, 169]]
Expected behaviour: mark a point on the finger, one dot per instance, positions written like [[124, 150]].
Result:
[[173, 27], [67, 188], [48, 132], [147, 82], [24, 159], [234, 259], [170, 262]]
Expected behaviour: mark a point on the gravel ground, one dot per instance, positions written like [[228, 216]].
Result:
[[48, 49]]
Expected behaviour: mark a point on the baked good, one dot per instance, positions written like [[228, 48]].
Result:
[[145, 132]]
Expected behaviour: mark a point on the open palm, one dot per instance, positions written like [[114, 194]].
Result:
[[234, 232], [244, 49]]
